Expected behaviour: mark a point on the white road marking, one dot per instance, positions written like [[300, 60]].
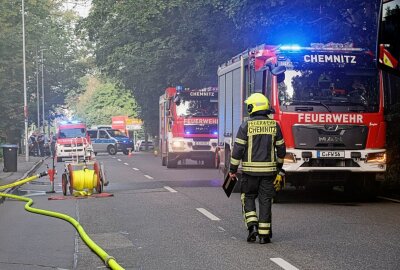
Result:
[[221, 229], [284, 264], [389, 199], [170, 189], [126, 164], [207, 214], [118, 159], [148, 176], [136, 169], [113, 157]]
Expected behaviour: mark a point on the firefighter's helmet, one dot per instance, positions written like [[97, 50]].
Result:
[[257, 102]]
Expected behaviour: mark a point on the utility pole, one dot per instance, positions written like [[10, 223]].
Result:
[[25, 94], [44, 131], [37, 90]]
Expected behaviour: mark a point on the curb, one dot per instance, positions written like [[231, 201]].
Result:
[[30, 171]]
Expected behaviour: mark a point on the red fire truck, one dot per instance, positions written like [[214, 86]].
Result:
[[329, 103], [188, 125], [73, 141]]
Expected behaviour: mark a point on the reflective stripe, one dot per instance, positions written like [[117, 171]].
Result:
[[280, 142], [264, 232], [250, 148], [259, 164], [240, 141], [235, 161], [242, 197], [264, 225], [251, 213], [280, 160], [262, 169], [251, 219]]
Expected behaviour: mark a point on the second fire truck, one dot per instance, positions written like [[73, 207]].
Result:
[[188, 125], [329, 103]]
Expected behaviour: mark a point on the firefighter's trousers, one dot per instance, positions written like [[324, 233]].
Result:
[[251, 188]]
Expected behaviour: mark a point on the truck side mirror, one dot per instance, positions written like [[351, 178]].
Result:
[[177, 100], [280, 78]]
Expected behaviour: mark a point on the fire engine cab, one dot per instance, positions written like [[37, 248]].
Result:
[[188, 125], [329, 103], [73, 141]]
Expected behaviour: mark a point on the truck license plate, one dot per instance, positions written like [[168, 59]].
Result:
[[330, 154], [201, 143]]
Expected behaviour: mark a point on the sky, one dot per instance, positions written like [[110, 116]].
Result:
[[82, 6]]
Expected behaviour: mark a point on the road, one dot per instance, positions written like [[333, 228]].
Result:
[[180, 218]]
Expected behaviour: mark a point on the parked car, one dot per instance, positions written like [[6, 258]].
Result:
[[110, 141], [141, 145]]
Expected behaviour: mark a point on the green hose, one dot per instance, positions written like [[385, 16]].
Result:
[[108, 260]]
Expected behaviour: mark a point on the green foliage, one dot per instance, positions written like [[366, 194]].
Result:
[[100, 100], [47, 28], [150, 45]]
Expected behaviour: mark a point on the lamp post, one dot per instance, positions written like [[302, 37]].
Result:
[[25, 95], [43, 91], [37, 90]]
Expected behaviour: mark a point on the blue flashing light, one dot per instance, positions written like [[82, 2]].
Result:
[[292, 47], [187, 132], [215, 132], [179, 88]]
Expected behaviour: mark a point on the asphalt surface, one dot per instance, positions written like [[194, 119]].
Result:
[[161, 218]]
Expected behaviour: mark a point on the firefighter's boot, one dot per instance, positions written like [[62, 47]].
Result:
[[265, 239], [253, 232]]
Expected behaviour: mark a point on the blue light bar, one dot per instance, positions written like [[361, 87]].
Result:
[[215, 132], [179, 88], [292, 47], [187, 132]]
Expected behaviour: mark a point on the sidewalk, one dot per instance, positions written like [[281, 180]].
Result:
[[24, 168]]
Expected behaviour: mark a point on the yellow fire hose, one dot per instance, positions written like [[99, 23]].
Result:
[[108, 260]]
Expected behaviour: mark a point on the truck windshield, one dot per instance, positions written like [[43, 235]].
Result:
[[72, 133], [197, 106], [329, 90]]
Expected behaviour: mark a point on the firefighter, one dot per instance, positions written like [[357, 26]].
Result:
[[260, 146]]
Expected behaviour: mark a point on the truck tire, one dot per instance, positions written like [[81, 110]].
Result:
[[171, 162], [111, 150], [210, 162], [217, 160]]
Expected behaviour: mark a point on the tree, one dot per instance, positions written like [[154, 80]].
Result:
[[99, 100], [50, 28], [150, 45]]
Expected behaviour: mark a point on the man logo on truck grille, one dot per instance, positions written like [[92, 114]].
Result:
[[331, 127]]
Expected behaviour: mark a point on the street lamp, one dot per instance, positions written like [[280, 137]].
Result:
[[43, 91], [37, 90], [25, 95]]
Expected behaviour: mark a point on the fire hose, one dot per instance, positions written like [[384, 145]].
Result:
[[108, 260]]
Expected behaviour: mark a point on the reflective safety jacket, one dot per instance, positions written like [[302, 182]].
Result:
[[260, 146]]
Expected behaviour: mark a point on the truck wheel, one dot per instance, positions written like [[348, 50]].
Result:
[[126, 152], [209, 163], [369, 187], [163, 161], [217, 160], [171, 162], [111, 150]]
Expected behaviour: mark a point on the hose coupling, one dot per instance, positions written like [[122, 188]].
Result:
[[108, 259]]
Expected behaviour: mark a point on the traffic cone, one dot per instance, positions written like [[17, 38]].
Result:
[[130, 153]]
